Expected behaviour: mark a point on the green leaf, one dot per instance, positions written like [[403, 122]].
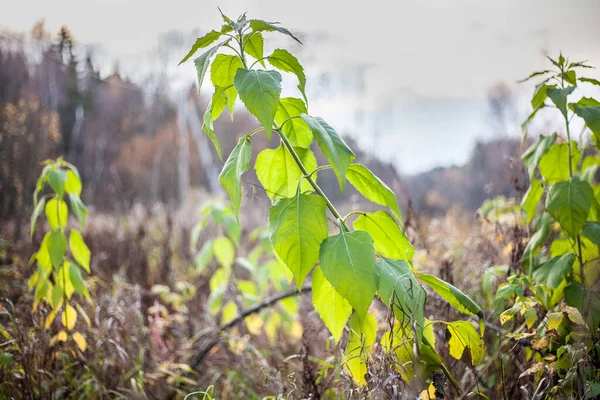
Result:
[[532, 199], [400, 290], [57, 179], [224, 251], [552, 272], [255, 46], [452, 295], [554, 165], [540, 95], [532, 156], [258, 25], [571, 77], [590, 80], [537, 239], [231, 175], [73, 183], [462, 335], [79, 249], [296, 130], [363, 332], [202, 62], [230, 311], [204, 41], [525, 124], [389, 239], [348, 263], [533, 75], [57, 213], [284, 61], [569, 203], [35, 215], [204, 256], [77, 279], [297, 226], [279, 174], [333, 147], [79, 209], [373, 188], [591, 230], [57, 246], [223, 69], [260, 90], [333, 309], [591, 116], [223, 96], [209, 129], [559, 97]]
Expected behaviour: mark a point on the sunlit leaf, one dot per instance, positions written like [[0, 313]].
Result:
[[363, 332], [464, 335], [224, 251], [452, 295], [260, 90], [69, 317], [73, 183], [279, 174], [81, 253], [80, 341], [296, 129], [569, 203], [333, 309], [335, 150], [348, 263], [283, 60], [373, 188], [231, 176], [57, 213], [254, 45], [297, 227], [387, 236], [204, 41]]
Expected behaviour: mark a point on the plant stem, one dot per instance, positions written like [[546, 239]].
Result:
[[578, 238], [306, 174]]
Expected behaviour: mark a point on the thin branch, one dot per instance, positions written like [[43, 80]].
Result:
[[252, 310]]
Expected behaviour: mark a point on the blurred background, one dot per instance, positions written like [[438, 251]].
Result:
[[425, 92], [427, 89]]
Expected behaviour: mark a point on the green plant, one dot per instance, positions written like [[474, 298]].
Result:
[[554, 299], [59, 274], [368, 257], [242, 282]]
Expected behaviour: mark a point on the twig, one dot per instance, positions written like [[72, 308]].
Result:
[[267, 303]]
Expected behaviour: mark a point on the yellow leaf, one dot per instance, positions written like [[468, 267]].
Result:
[[463, 334], [51, 317], [574, 315], [254, 323], [554, 320], [428, 394], [362, 335], [80, 340], [69, 317], [229, 312]]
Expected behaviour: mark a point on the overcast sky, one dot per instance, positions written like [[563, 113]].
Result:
[[430, 63]]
